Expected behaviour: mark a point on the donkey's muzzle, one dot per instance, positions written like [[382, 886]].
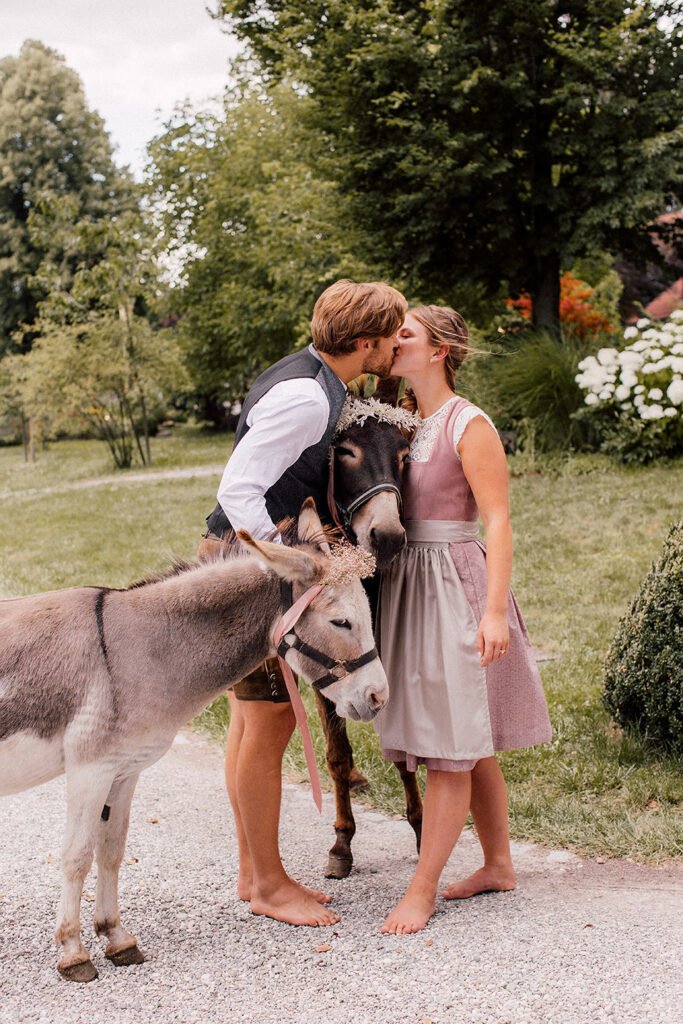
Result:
[[386, 543], [366, 709]]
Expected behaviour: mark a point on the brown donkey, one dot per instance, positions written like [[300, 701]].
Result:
[[95, 683], [366, 467]]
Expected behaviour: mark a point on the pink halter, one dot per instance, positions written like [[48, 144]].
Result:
[[282, 627]]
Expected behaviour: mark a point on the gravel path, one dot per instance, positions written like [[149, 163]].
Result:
[[183, 473], [578, 942]]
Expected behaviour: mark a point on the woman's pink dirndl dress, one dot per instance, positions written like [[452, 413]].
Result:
[[445, 710]]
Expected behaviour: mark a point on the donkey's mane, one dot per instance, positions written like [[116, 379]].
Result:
[[176, 568], [287, 529], [232, 549]]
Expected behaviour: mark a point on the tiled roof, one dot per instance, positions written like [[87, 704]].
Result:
[[664, 304]]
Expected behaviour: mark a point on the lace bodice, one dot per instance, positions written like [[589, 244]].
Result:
[[425, 436]]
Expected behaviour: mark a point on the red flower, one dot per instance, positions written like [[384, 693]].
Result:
[[576, 310]]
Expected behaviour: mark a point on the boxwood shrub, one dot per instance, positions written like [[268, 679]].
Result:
[[643, 686]]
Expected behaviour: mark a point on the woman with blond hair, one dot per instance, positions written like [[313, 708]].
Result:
[[464, 682]]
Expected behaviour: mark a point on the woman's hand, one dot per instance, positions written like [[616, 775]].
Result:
[[493, 637]]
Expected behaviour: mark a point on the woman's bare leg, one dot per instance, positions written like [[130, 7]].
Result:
[[490, 812], [446, 805]]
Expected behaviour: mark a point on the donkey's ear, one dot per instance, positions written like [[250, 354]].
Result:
[[387, 390], [310, 529], [291, 564]]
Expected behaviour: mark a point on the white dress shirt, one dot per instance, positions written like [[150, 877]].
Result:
[[289, 418]]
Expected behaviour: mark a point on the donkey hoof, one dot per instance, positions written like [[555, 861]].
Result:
[[357, 780], [85, 971], [126, 957], [338, 867]]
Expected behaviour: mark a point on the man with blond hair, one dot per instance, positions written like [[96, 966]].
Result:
[[280, 458]]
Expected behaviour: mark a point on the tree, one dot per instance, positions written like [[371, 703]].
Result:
[[254, 231], [51, 146], [488, 140], [92, 372], [17, 401], [93, 333]]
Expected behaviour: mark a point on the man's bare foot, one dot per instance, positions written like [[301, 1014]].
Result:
[[411, 914], [291, 903], [244, 886], [493, 879]]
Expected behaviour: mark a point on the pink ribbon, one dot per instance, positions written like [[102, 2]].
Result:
[[282, 627]]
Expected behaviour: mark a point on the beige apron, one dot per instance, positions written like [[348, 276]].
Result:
[[427, 630]]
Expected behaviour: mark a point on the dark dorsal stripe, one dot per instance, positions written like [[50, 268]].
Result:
[[99, 618]]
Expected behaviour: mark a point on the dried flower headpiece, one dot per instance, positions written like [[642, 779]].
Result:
[[348, 562], [358, 410]]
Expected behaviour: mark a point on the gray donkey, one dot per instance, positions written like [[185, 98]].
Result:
[[95, 683]]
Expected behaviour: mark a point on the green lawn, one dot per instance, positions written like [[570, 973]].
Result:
[[69, 461], [585, 537]]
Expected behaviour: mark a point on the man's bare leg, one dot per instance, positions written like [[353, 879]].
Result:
[[235, 734], [446, 805], [490, 813], [245, 872], [267, 728]]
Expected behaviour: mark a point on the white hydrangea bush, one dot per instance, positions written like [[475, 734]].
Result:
[[634, 395]]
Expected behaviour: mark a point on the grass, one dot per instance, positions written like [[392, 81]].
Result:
[[586, 533], [55, 536], [71, 461]]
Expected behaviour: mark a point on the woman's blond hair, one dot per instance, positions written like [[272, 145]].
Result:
[[347, 311], [444, 326]]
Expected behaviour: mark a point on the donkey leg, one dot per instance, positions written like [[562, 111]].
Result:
[[122, 948], [87, 788], [413, 800], [339, 764]]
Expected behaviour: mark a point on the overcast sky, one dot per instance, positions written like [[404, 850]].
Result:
[[137, 58]]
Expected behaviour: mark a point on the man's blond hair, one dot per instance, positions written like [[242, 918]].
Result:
[[347, 311]]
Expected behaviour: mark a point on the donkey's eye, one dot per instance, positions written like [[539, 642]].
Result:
[[342, 623], [340, 450]]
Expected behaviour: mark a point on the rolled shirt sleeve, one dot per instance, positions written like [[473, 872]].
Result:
[[289, 418]]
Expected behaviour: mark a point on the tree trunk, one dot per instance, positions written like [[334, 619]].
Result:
[[145, 427], [28, 437], [32, 438], [24, 436], [126, 316], [546, 299]]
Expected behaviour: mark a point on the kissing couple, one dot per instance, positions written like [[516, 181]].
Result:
[[463, 679]]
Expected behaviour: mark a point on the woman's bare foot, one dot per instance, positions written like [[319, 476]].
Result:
[[244, 885], [293, 904], [411, 914], [486, 879]]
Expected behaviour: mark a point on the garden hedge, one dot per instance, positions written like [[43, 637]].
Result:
[[643, 686]]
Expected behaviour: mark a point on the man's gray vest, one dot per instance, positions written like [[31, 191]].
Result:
[[309, 474]]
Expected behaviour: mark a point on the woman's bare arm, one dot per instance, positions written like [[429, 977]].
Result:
[[485, 467]]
